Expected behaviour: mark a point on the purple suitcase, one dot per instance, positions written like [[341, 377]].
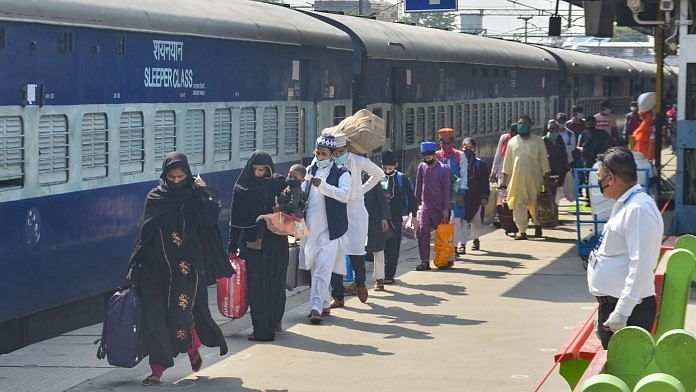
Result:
[[119, 341]]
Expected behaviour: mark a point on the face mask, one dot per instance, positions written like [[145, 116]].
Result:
[[634, 109], [342, 159], [429, 162], [552, 136], [175, 186], [607, 111], [523, 129], [325, 163], [292, 181], [602, 187], [390, 173]]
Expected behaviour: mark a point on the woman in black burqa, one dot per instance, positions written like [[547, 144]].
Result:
[[265, 253], [179, 252]]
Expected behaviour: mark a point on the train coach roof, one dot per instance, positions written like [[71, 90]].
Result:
[[394, 41], [228, 19], [642, 69], [585, 63]]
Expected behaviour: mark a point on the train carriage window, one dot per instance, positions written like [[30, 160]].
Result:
[[339, 114], [475, 118], [496, 119], [378, 112], [430, 130], [466, 118], [95, 146], [510, 116], [131, 131], [483, 118], [491, 116], [247, 132], [222, 135], [449, 117], [11, 152], [165, 134], [194, 136], [409, 134], [420, 124], [292, 130], [53, 149], [458, 126], [388, 121], [440, 117], [270, 130]]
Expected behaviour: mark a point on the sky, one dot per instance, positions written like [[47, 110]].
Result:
[[497, 25]]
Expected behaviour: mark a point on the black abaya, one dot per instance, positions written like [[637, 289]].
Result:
[[267, 267], [177, 243]]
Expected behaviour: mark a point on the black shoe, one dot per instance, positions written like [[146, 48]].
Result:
[[424, 266], [477, 245], [252, 338], [460, 250], [389, 281], [537, 232]]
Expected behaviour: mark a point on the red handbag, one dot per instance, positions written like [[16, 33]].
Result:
[[232, 292]]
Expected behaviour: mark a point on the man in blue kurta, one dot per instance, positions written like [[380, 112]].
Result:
[[433, 196]]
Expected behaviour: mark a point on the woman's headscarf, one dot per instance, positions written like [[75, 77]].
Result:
[[164, 197], [254, 196]]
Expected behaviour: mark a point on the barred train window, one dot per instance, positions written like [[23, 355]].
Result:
[[430, 129], [449, 120], [11, 152], [420, 124], [409, 137], [474, 119], [222, 135], [247, 131], [270, 130], [194, 136], [131, 132], [165, 134], [53, 149], [490, 117], [466, 117], [339, 114], [292, 130], [440, 118], [483, 117], [95, 146], [496, 118], [459, 127]]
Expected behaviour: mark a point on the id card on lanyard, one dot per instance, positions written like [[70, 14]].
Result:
[[592, 259]]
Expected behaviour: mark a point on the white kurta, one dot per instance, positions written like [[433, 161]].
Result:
[[319, 253], [355, 239]]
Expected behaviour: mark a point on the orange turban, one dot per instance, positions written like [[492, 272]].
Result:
[[446, 132]]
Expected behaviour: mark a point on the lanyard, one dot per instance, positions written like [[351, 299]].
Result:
[[606, 225]]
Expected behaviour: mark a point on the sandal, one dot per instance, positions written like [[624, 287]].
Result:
[[196, 361], [153, 379], [326, 312], [379, 285], [423, 266], [522, 236], [315, 318]]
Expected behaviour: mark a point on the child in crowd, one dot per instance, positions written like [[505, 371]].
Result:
[[398, 191], [288, 216]]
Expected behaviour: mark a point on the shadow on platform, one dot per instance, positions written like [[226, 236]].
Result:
[[300, 342]]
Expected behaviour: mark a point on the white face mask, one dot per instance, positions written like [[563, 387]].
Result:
[[634, 109], [607, 111]]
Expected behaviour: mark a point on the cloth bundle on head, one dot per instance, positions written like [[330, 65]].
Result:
[[330, 141], [364, 130], [428, 147], [446, 132], [389, 158]]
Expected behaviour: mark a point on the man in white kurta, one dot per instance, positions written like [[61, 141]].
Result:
[[355, 239], [319, 253], [525, 166]]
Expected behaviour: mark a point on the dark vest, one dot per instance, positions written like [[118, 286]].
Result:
[[336, 212]]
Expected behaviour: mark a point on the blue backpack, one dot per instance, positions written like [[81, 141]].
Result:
[[400, 181], [119, 341]]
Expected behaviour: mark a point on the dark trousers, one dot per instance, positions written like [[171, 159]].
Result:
[[643, 316], [266, 272], [358, 263], [391, 249]]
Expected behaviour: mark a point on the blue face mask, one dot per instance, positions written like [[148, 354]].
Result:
[[324, 164], [342, 159], [523, 129]]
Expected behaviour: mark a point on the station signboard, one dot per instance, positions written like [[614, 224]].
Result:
[[430, 5]]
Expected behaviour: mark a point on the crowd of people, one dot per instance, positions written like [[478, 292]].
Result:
[[351, 207]]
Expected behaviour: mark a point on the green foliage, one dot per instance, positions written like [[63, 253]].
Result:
[[438, 20]]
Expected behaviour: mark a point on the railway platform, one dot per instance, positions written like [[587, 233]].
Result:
[[492, 323]]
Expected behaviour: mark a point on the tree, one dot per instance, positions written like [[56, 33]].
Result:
[[438, 20], [627, 34]]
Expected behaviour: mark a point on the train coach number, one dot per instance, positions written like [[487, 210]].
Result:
[[117, 95]]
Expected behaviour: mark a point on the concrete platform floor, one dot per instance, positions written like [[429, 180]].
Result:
[[492, 323]]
